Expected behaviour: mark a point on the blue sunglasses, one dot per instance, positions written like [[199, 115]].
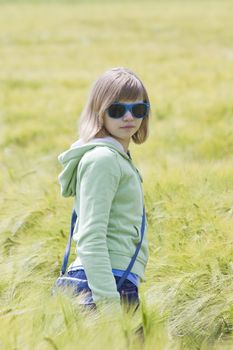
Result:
[[118, 109]]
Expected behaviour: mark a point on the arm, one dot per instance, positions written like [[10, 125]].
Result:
[[99, 176]]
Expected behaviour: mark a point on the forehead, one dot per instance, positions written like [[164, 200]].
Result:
[[124, 88], [127, 101], [131, 91]]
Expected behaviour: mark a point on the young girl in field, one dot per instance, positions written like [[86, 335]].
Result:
[[99, 173]]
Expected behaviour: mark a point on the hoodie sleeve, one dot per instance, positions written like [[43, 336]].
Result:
[[98, 179]]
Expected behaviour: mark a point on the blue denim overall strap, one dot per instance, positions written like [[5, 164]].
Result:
[[127, 271], [67, 251]]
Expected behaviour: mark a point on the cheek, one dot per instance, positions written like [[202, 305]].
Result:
[[105, 122], [109, 123]]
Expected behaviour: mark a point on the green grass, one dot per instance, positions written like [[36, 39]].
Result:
[[50, 53]]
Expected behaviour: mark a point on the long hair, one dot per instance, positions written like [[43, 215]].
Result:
[[116, 84]]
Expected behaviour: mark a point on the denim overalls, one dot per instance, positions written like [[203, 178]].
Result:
[[128, 291]]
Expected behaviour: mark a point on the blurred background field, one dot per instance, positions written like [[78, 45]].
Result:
[[50, 53]]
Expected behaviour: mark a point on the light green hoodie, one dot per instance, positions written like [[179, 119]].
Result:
[[109, 204]]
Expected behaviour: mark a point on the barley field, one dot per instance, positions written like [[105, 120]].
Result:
[[50, 53]]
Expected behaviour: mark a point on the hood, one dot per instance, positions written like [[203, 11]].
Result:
[[71, 158]]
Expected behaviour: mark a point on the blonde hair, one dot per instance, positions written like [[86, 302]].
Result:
[[116, 84]]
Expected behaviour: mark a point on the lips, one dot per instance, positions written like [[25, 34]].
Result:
[[127, 127]]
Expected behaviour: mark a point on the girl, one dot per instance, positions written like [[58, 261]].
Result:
[[99, 173]]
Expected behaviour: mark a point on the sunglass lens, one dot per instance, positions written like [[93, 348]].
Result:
[[139, 110], [116, 111]]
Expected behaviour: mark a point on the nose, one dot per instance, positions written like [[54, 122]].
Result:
[[127, 116]]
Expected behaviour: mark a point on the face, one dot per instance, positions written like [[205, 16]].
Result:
[[124, 128]]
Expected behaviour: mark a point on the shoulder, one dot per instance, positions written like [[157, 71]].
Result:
[[102, 158], [100, 155]]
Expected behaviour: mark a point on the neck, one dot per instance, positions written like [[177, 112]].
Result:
[[124, 143]]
